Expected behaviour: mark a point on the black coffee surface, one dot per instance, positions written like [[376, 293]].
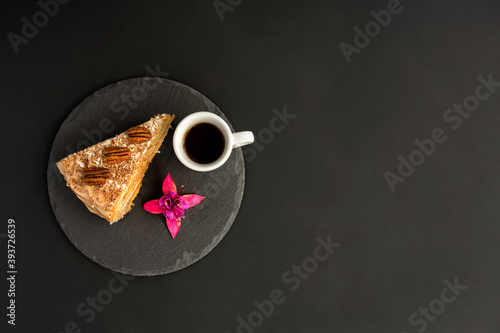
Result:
[[204, 143]]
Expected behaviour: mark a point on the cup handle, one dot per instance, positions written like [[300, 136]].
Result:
[[242, 139]]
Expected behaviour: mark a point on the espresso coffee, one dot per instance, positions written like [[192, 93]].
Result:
[[204, 143]]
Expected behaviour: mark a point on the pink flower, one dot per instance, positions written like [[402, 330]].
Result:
[[172, 205]]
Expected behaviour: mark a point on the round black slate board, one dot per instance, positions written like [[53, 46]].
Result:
[[140, 244]]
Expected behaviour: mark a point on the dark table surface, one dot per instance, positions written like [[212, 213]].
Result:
[[332, 132]]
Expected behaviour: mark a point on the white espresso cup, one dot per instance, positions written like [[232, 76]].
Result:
[[231, 140]]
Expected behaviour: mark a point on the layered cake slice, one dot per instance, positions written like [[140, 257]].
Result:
[[107, 176]]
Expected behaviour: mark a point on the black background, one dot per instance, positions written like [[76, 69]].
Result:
[[322, 175]]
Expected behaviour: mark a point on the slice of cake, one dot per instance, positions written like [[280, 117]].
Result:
[[107, 176]]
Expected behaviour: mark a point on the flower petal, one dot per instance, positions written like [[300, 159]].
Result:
[[169, 185], [173, 226], [165, 202], [191, 200], [153, 207], [178, 212], [169, 214]]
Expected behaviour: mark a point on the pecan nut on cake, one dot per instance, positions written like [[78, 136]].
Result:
[[107, 176]]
